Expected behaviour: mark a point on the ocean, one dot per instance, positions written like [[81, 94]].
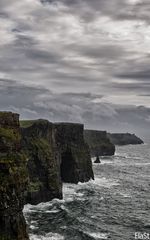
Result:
[[116, 205]]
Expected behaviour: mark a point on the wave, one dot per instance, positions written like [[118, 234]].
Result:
[[105, 162], [52, 236], [71, 192], [125, 195], [97, 236], [104, 182]]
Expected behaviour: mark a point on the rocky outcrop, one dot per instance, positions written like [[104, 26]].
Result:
[[76, 165], [38, 142], [97, 160], [99, 143], [124, 138], [13, 179]]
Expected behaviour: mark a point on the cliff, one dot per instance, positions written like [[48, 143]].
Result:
[[38, 142], [99, 143], [56, 153], [124, 138], [76, 165], [13, 179]]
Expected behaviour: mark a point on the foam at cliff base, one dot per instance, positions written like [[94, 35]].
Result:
[[33, 208], [69, 191], [49, 236], [48, 207]]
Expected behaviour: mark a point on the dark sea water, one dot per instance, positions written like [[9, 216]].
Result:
[[113, 206]]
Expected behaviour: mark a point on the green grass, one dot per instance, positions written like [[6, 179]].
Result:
[[26, 123], [29, 123], [9, 134]]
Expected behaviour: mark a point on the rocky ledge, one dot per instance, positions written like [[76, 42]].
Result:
[[13, 179], [124, 138], [99, 143]]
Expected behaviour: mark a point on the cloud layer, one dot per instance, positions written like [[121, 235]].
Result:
[[85, 61]]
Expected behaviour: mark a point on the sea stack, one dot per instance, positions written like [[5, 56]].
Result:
[[13, 179], [97, 160]]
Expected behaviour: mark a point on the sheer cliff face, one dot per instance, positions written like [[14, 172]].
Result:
[[75, 165], [99, 143], [124, 138], [38, 142], [56, 153], [13, 179]]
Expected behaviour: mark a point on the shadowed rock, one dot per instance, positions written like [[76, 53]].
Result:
[[38, 142], [56, 153], [99, 143], [13, 179], [76, 165]]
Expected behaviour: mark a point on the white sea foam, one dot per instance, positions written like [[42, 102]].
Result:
[[43, 205], [28, 208], [142, 163], [104, 182], [69, 192], [33, 227], [38, 207], [49, 236], [98, 236], [104, 162], [52, 211], [79, 195], [125, 195]]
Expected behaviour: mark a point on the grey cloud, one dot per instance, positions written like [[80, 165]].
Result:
[[83, 95], [139, 90], [69, 57], [35, 102], [142, 75], [43, 56], [116, 9], [101, 51]]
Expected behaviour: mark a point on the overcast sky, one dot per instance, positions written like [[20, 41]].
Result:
[[82, 61]]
